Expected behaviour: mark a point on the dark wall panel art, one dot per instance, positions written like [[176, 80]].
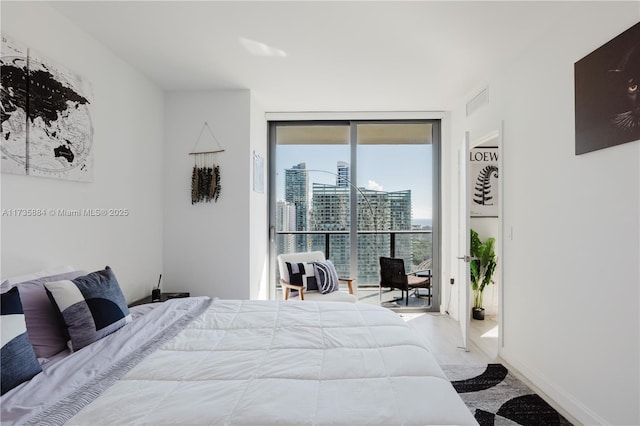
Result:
[[607, 94]]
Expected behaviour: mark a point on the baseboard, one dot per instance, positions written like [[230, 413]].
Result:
[[564, 403]]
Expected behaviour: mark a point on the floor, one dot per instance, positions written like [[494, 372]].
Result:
[[393, 298], [442, 333], [484, 334], [443, 336]]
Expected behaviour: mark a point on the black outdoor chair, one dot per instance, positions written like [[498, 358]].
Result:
[[393, 275]]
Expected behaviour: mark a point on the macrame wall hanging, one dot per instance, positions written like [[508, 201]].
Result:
[[205, 177]]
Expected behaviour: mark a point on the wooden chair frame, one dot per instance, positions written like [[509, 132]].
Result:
[[288, 287]]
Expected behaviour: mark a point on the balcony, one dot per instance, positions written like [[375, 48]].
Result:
[[414, 246]]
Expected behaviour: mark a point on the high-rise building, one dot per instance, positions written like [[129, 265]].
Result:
[[382, 211], [297, 193], [343, 179], [285, 221], [400, 219], [377, 211], [329, 212]]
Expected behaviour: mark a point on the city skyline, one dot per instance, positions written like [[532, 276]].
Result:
[[328, 209], [380, 167]]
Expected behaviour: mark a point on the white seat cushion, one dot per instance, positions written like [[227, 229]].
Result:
[[334, 296]]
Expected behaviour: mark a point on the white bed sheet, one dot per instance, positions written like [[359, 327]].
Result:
[[245, 362], [259, 363]]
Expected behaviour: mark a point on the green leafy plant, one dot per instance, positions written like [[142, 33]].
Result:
[[483, 264]]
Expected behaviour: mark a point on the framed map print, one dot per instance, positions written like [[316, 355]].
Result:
[[46, 123], [13, 95]]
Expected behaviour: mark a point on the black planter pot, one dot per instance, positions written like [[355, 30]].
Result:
[[477, 313]]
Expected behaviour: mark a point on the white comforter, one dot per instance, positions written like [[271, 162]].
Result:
[[259, 363]]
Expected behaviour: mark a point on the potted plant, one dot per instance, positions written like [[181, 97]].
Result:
[[482, 266]]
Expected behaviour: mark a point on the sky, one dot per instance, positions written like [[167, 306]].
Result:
[[381, 167]]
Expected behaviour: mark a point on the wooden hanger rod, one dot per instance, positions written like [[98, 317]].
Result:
[[206, 152]]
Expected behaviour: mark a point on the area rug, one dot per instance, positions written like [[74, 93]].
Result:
[[496, 397]]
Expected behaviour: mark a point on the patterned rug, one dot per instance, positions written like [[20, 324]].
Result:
[[497, 397]]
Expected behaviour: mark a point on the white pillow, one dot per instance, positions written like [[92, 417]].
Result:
[[40, 274]]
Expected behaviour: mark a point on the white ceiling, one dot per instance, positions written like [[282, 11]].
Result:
[[324, 56]]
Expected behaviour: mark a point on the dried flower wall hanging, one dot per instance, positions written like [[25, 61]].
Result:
[[205, 176]]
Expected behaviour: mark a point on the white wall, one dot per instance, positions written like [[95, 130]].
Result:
[[258, 234], [206, 245], [571, 286], [127, 115]]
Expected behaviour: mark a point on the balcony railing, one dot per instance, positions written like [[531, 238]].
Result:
[[414, 246]]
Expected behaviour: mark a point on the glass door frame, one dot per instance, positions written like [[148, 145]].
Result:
[[436, 124]]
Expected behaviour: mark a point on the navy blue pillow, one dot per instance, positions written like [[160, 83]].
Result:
[[92, 306], [19, 362]]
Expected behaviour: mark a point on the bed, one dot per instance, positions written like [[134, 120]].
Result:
[[202, 361]]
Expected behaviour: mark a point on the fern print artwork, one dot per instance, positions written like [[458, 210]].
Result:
[[482, 193], [484, 200]]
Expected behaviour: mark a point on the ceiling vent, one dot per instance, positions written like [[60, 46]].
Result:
[[478, 101]]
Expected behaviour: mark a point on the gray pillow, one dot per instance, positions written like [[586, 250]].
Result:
[[91, 306], [46, 332]]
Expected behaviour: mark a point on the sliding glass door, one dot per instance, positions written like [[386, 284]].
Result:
[[358, 190], [310, 207]]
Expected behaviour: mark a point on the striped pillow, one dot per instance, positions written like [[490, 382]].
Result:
[[326, 276]]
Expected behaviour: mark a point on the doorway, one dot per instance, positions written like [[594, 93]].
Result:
[[485, 166]]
